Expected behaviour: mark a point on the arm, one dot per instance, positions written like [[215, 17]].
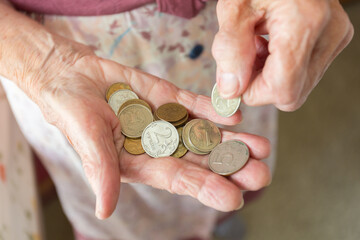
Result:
[[30, 54]]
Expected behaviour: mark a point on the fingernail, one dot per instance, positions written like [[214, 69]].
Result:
[[229, 85], [241, 205]]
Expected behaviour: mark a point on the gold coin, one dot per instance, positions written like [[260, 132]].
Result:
[[134, 119], [171, 112], [181, 122], [133, 146], [186, 139], [134, 101], [204, 135], [156, 117], [181, 150], [114, 87]]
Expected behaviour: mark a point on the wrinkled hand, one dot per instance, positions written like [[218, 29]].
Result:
[[74, 101], [305, 37]]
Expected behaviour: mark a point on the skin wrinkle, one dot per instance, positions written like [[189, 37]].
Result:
[[165, 176], [183, 181], [98, 81], [151, 89], [222, 201], [102, 77], [90, 175], [194, 103], [203, 193]]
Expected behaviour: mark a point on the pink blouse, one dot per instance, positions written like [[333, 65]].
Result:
[[181, 8]]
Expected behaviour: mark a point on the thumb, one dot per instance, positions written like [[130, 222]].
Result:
[[94, 138], [234, 47]]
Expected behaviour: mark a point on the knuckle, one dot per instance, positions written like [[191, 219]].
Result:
[[225, 8], [320, 14], [226, 46], [219, 43], [287, 98], [342, 21], [90, 169], [185, 181]]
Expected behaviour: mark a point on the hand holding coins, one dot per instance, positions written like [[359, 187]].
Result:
[[80, 111]]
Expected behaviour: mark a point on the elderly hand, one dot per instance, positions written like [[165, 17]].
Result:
[[305, 37], [69, 82], [74, 101]]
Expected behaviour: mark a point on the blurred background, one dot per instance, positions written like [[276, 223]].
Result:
[[315, 193]]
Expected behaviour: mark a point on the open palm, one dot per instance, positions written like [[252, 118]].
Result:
[[75, 102]]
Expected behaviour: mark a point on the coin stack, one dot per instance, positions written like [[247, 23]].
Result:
[[167, 135], [201, 136]]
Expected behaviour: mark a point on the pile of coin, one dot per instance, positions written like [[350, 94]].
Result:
[[200, 136], [167, 135]]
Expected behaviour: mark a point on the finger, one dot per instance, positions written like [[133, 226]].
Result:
[[181, 177], [291, 43], [253, 176], [157, 92], [259, 147], [94, 140], [234, 48]]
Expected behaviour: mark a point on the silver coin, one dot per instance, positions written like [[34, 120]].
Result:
[[160, 139], [134, 119], [119, 97], [228, 157], [224, 107]]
